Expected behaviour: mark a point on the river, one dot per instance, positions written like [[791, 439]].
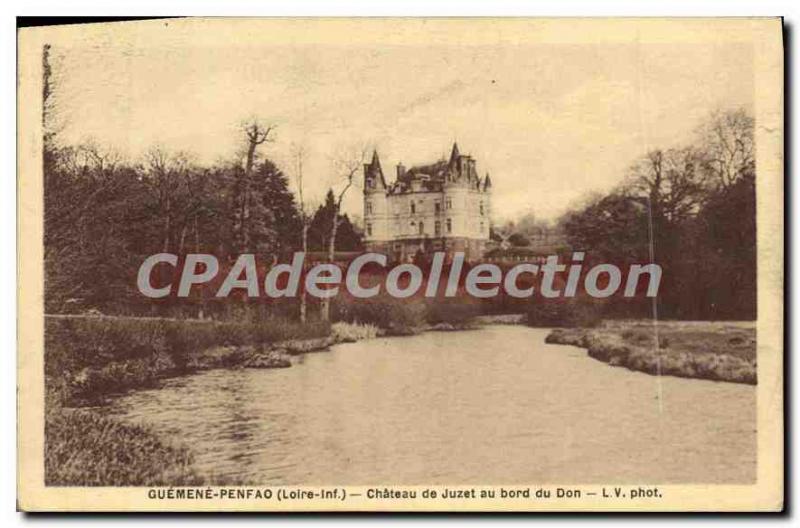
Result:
[[489, 406]]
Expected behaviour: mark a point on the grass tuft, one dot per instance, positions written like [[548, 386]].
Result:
[[83, 448]]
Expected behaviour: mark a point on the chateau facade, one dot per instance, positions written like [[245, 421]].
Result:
[[444, 206]]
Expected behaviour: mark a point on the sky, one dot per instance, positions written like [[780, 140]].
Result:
[[551, 120]]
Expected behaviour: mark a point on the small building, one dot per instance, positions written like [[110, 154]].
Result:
[[443, 206]]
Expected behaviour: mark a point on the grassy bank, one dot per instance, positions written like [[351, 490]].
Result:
[[83, 448], [89, 359], [719, 351]]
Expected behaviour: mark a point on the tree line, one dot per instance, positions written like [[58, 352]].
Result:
[[104, 215], [691, 209]]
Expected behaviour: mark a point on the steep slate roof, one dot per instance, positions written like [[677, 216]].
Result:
[[375, 166], [437, 173], [454, 154], [436, 170]]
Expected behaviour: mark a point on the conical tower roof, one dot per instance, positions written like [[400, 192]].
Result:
[[454, 154], [374, 168], [376, 162]]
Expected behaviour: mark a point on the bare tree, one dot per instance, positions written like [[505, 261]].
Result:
[[671, 182], [728, 146], [345, 168], [100, 160], [166, 174], [298, 156], [686, 185], [256, 134]]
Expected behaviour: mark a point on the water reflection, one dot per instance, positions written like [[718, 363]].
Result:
[[491, 406]]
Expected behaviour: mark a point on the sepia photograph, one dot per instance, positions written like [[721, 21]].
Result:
[[401, 264]]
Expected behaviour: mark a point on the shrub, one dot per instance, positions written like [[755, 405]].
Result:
[[88, 358], [574, 312], [395, 316], [406, 316], [456, 313], [351, 332]]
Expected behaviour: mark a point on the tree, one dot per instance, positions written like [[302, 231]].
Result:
[[612, 228], [727, 229], [347, 238], [519, 240], [272, 188], [251, 217], [728, 146], [692, 211], [166, 175], [345, 168], [672, 182], [298, 156]]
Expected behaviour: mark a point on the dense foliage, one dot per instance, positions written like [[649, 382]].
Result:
[[103, 217], [691, 210]]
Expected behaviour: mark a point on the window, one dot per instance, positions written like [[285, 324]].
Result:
[[369, 207], [449, 225], [448, 203], [437, 207], [481, 227], [422, 228], [371, 183], [369, 229], [481, 211], [413, 208], [437, 228]]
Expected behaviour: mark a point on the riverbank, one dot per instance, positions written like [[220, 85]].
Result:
[[91, 359], [320, 421], [88, 361], [279, 354], [87, 446], [718, 351]]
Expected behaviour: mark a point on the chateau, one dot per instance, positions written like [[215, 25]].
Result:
[[444, 206]]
